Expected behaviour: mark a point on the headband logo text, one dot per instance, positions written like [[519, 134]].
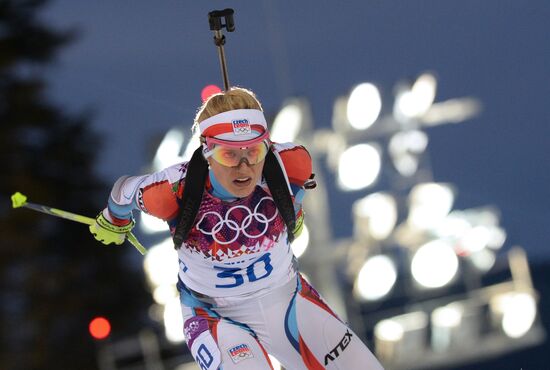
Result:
[[241, 126]]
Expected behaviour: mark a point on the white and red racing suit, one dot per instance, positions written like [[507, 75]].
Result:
[[241, 294]]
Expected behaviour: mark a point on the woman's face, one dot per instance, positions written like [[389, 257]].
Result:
[[239, 180]]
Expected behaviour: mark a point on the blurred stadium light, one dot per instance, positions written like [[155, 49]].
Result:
[[160, 263], [477, 324], [360, 155], [169, 150], [375, 216], [401, 337], [434, 264], [429, 204], [376, 278], [412, 102], [357, 111], [292, 121], [363, 106], [405, 149], [300, 244]]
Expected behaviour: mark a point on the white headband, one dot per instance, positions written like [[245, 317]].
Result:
[[235, 125]]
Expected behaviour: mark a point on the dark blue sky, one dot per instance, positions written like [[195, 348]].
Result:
[[140, 66]]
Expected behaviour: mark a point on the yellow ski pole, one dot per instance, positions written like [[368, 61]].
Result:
[[19, 200]]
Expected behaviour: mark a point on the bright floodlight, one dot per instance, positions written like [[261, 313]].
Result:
[[161, 263], [475, 239], [445, 323], [299, 245], [448, 316], [376, 278], [518, 312], [429, 203], [497, 237], [364, 105], [173, 321], [424, 90], [169, 150], [163, 294], [287, 123], [358, 167], [405, 149], [434, 264], [481, 237], [192, 145], [417, 100], [151, 224], [399, 336], [483, 260], [376, 214], [452, 111], [455, 225], [389, 330]]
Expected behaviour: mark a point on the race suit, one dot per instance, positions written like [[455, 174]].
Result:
[[241, 294]]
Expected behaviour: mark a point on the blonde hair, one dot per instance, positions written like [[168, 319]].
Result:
[[234, 98]]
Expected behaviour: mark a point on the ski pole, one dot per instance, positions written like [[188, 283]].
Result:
[[216, 25], [19, 200]]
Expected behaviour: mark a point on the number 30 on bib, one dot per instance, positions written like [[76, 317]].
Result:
[[260, 269]]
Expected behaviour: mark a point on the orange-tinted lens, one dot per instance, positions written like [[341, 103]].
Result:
[[231, 157]]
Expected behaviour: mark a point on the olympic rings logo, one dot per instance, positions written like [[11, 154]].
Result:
[[241, 130], [231, 224]]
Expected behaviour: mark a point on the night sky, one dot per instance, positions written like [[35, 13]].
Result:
[[140, 65]]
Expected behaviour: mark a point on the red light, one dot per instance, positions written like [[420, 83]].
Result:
[[208, 91], [100, 328]]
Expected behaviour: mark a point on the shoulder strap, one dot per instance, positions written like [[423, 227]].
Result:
[[276, 182], [195, 179]]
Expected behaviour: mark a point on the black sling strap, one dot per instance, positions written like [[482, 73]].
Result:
[[276, 182], [192, 195], [194, 188]]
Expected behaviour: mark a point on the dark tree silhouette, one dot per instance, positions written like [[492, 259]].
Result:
[[54, 277]]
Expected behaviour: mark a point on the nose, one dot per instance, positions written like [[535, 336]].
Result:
[[244, 161]]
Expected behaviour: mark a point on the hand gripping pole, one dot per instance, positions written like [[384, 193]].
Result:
[[19, 200]]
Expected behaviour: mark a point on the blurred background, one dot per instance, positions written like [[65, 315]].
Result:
[[428, 124]]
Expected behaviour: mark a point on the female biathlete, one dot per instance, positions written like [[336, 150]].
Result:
[[242, 296]]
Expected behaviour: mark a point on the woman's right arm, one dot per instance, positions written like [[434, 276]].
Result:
[[156, 194]]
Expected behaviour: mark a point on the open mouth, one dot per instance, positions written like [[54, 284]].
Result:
[[242, 181]]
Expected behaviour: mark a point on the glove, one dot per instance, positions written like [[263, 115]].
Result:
[[104, 231]]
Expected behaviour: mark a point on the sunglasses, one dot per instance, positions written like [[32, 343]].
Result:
[[232, 153]]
